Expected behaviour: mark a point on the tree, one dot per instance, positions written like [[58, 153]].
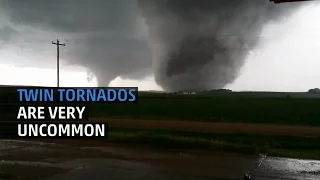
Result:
[[315, 90]]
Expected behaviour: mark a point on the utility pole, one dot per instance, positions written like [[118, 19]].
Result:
[[58, 54]]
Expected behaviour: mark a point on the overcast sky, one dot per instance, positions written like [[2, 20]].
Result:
[[286, 57]]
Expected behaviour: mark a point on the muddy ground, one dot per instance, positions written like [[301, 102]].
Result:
[[70, 159]]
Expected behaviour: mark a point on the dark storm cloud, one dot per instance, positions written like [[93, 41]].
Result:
[[6, 33], [202, 44], [103, 35], [195, 44]]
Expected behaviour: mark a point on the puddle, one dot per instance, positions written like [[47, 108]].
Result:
[[291, 169]]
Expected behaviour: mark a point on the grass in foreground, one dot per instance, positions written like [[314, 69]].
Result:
[[281, 146], [6, 176]]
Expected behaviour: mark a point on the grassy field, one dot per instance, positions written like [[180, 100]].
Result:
[[281, 146], [245, 107], [301, 109], [241, 107]]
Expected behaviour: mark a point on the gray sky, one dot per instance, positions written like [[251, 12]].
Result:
[[112, 39]]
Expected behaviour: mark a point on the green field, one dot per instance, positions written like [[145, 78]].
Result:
[[281, 146], [301, 109], [244, 107]]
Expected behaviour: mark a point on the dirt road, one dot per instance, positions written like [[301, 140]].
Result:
[[213, 127]]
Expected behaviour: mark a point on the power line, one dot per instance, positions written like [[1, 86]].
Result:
[[58, 47]]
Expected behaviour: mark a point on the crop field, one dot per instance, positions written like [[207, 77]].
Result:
[[280, 124], [266, 108], [302, 109], [281, 110]]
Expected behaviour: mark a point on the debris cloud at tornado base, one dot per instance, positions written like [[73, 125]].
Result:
[[189, 45]]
